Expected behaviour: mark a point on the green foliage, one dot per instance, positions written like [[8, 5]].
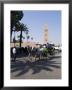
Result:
[[45, 50], [16, 16], [21, 27], [28, 37], [31, 38], [22, 37]]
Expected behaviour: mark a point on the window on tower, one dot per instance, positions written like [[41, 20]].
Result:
[[45, 39], [46, 30], [46, 34]]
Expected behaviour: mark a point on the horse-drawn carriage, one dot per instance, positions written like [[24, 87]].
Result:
[[41, 52]]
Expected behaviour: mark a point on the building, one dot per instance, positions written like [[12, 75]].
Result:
[[45, 36]]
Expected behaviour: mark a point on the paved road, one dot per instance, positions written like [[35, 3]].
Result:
[[40, 69]]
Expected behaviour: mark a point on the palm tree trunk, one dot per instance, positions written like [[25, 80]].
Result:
[[27, 41], [11, 36], [14, 38], [20, 38]]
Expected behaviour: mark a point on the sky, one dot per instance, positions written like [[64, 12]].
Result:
[[36, 20]]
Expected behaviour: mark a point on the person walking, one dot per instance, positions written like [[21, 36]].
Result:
[[14, 53]]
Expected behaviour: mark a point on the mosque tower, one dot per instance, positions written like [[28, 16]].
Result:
[[45, 34]]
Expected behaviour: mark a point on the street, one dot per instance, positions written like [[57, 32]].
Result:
[[40, 69]]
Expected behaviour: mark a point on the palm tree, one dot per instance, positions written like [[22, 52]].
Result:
[[16, 16], [14, 36], [21, 27], [14, 41], [22, 37], [28, 37], [31, 38]]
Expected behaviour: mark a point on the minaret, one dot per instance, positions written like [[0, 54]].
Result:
[[45, 34]]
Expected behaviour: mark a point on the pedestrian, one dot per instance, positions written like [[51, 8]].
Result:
[[14, 53]]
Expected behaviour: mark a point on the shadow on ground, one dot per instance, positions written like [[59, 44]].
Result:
[[36, 66]]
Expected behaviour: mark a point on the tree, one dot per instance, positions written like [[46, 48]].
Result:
[[31, 38], [19, 38], [16, 16], [21, 27], [14, 41], [28, 37]]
